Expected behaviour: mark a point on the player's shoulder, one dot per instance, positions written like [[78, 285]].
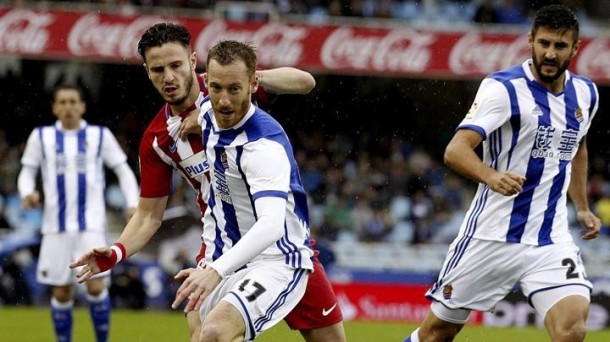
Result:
[[508, 74]]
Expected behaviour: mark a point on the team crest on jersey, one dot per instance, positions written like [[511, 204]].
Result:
[[578, 114], [447, 291], [224, 161], [472, 111]]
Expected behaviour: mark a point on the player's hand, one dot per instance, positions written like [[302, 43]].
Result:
[[196, 287], [93, 263], [506, 183], [189, 125], [591, 223], [31, 201]]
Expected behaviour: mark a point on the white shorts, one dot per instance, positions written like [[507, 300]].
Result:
[[58, 250], [264, 293], [486, 271]]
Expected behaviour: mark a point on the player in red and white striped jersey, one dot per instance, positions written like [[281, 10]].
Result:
[[170, 64]]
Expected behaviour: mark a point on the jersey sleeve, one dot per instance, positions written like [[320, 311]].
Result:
[[155, 174], [267, 168], [490, 109], [112, 152], [32, 154]]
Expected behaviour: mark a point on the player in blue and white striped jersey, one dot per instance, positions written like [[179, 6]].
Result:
[[71, 155], [256, 224], [532, 120]]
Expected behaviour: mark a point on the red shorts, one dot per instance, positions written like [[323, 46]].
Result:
[[319, 306]]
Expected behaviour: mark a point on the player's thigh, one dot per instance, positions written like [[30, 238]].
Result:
[[319, 308], [570, 310], [477, 274], [194, 324], [556, 272], [54, 259], [263, 294], [223, 322]]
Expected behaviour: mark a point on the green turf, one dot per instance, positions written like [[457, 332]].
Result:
[[34, 324]]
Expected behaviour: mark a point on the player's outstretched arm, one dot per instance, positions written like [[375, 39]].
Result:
[[136, 234], [286, 80]]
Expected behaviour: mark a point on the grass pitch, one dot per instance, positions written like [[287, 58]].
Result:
[[26, 324]]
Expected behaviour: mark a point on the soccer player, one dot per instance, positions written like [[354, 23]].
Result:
[[72, 154], [170, 64], [532, 119], [256, 224]]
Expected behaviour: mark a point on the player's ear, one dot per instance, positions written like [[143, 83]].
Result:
[[530, 40], [194, 59], [254, 84], [146, 69], [576, 47]]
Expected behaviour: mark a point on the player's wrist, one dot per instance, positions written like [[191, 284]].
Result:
[[118, 252]]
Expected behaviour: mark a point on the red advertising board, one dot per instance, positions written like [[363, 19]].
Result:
[[386, 302], [399, 51]]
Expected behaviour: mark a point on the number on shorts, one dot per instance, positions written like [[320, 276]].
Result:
[[258, 290], [570, 274]]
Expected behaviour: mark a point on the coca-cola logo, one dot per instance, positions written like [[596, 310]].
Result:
[[594, 59], [25, 31], [400, 50], [276, 44], [472, 54], [90, 36]]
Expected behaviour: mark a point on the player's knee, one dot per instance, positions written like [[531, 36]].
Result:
[[62, 294], [211, 332], [574, 331]]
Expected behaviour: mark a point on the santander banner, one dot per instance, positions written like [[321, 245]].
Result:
[[386, 302], [388, 51]]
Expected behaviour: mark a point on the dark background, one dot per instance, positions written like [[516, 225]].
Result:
[[422, 111]]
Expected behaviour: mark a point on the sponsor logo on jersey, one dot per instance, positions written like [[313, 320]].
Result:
[[195, 165]]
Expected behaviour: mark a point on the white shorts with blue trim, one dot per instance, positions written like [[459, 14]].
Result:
[[264, 293], [484, 272]]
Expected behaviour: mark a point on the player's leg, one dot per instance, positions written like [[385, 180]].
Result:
[[53, 270], [97, 295], [223, 323], [476, 275], [99, 307], [440, 324], [62, 304], [260, 296], [194, 325], [318, 315], [558, 288], [566, 320]]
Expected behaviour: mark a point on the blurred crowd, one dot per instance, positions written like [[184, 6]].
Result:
[[360, 189], [478, 11]]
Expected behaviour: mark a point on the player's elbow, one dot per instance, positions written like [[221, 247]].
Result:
[[308, 83], [451, 156]]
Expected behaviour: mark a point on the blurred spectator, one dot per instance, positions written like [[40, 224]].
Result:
[[486, 13], [511, 12], [126, 289]]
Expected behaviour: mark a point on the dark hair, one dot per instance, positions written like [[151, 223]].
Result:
[[67, 86], [228, 51], [163, 33], [556, 17]]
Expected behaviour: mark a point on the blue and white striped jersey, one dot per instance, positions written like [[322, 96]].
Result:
[[252, 160], [533, 132], [72, 166]]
